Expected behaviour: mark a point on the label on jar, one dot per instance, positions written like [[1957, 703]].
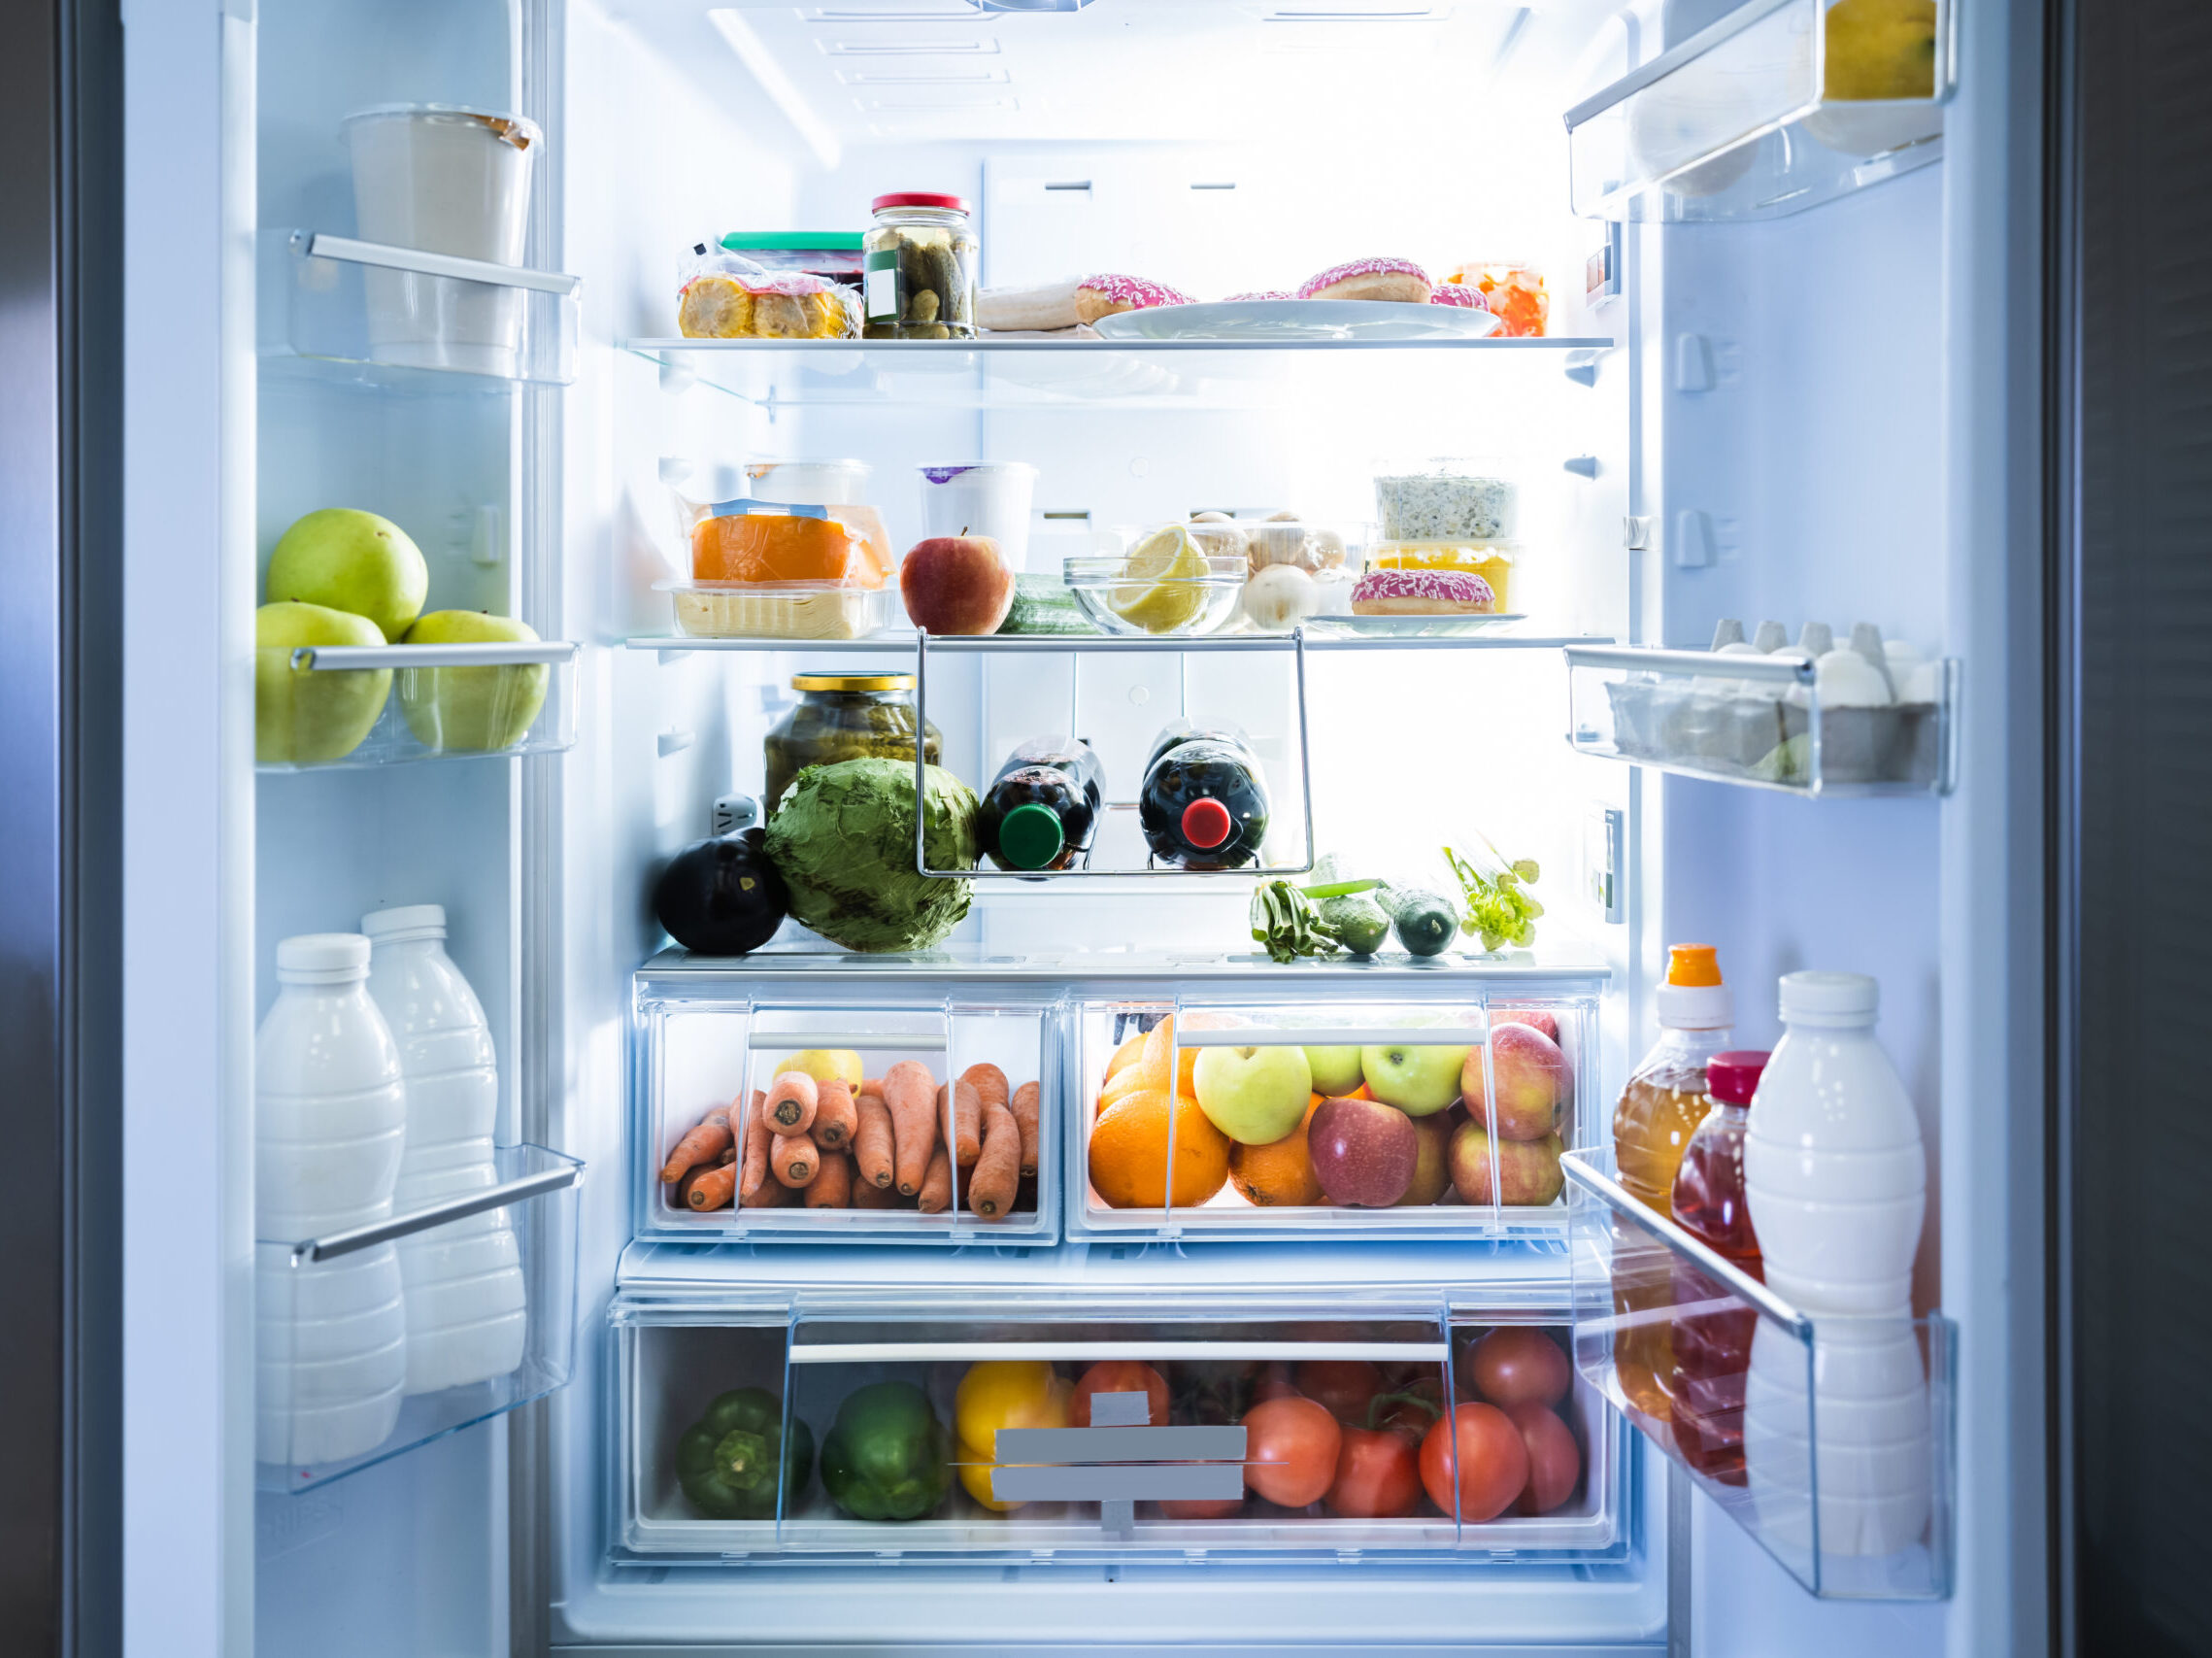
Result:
[[881, 286]]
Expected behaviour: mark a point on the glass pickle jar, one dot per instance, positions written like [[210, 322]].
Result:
[[846, 715], [920, 261]]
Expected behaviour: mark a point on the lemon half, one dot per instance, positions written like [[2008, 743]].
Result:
[[1160, 587]]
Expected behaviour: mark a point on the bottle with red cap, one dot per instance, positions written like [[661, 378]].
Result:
[[1204, 801], [1712, 1348]]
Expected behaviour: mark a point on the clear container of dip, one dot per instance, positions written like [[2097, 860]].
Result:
[[1448, 499]]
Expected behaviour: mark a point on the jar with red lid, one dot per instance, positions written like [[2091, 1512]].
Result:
[[920, 278]]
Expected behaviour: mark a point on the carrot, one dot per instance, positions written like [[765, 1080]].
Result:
[[730, 1153], [967, 1111], [794, 1160], [700, 1144], [792, 1099], [937, 1184], [756, 1138], [999, 1170], [712, 1188], [1025, 1109], [835, 1117], [872, 1139], [770, 1194], [989, 1082], [909, 1095], [832, 1188], [867, 1195]]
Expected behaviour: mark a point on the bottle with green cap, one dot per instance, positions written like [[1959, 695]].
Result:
[[1041, 811]]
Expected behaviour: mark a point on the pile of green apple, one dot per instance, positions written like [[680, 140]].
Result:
[[1404, 1122], [341, 576]]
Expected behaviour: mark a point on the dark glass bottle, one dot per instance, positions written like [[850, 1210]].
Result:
[[1204, 803], [1041, 812]]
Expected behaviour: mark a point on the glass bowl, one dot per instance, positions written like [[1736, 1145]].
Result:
[[1174, 606]]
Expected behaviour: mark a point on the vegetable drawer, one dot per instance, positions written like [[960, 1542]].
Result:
[[1344, 1117], [920, 1117], [1039, 1430]]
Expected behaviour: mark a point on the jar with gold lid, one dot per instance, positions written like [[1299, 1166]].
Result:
[[846, 715]]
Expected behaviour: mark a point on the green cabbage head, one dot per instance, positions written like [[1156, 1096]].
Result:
[[843, 840]]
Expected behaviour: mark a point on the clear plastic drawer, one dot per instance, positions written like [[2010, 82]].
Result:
[[1236, 1434], [700, 1052], [1330, 1118]]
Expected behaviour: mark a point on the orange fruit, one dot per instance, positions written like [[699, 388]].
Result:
[[1281, 1172], [1149, 1069], [1124, 1054], [1128, 1152]]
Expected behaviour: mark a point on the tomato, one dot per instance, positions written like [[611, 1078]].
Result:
[[1289, 1450], [1474, 1463], [1274, 1382], [1554, 1460], [1346, 1387], [1201, 1508], [1412, 1408], [1119, 1375], [1378, 1476], [1516, 1364]]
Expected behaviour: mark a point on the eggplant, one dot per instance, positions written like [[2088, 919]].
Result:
[[721, 897]]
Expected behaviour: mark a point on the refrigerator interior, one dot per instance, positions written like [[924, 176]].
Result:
[[1796, 443]]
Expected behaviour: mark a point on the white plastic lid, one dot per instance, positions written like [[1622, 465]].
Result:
[[1830, 998], [404, 922], [323, 959], [1696, 1007]]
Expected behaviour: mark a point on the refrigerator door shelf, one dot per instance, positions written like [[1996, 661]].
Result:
[[318, 1302], [1248, 1178], [1829, 1440], [694, 1054], [1762, 721], [477, 329], [1089, 1491], [325, 708], [1734, 123]]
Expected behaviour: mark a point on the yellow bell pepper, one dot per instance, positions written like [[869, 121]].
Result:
[[1002, 1392]]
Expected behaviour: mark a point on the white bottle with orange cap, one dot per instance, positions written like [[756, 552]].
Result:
[[1657, 1112]]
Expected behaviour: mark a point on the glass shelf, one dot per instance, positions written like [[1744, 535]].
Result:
[[356, 706], [1199, 643], [353, 312], [1829, 1440], [1562, 966], [1734, 124], [312, 1294], [1081, 374], [1756, 720]]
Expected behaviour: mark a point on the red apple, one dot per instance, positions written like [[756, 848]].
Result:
[[1433, 1160], [1534, 1018], [956, 584], [1532, 1173], [1529, 1072]]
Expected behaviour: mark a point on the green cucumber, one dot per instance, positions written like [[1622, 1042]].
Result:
[[1358, 921], [1426, 920]]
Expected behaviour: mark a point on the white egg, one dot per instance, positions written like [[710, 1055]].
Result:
[[1845, 679]]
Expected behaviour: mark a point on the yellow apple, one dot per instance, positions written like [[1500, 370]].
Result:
[[304, 718], [353, 561], [479, 709], [823, 1064]]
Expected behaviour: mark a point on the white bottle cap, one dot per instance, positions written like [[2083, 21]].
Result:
[[404, 923], [1696, 1007], [1830, 998], [323, 959]]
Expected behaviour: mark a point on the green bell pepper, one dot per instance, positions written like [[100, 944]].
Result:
[[726, 1461], [888, 1457]]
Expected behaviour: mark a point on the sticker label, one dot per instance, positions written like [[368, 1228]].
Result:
[[881, 286]]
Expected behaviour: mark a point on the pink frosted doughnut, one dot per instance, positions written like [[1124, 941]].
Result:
[[1421, 592], [1399, 279], [1106, 296], [1459, 294], [1264, 293]]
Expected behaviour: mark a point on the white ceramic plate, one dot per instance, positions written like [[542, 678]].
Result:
[[1289, 320], [1407, 627]]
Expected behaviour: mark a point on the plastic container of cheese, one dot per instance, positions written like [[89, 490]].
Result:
[[778, 610]]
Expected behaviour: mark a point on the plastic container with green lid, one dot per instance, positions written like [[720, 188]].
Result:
[[831, 254]]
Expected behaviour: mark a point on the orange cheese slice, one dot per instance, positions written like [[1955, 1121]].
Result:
[[752, 547]]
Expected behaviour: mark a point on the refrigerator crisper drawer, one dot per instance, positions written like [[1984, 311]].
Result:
[[1112, 1435], [704, 1046], [1260, 1147]]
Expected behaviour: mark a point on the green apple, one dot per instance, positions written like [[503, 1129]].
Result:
[[351, 561], [1254, 1095], [473, 709], [300, 717], [1336, 1071], [1418, 1080]]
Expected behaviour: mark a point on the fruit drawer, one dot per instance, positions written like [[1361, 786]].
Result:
[[1064, 1434], [930, 1074], [1829, 1440], [327, 706], [1338, 1118]]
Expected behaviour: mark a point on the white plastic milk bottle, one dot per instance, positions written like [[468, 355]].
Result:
[[1837, 1184], [329, 1118], [466, 1319]]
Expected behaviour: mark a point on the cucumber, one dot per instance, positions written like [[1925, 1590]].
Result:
[[1358, 921], [1426, 920]]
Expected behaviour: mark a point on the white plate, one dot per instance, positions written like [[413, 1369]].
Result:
[[1298, 319], [1408, 626]]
